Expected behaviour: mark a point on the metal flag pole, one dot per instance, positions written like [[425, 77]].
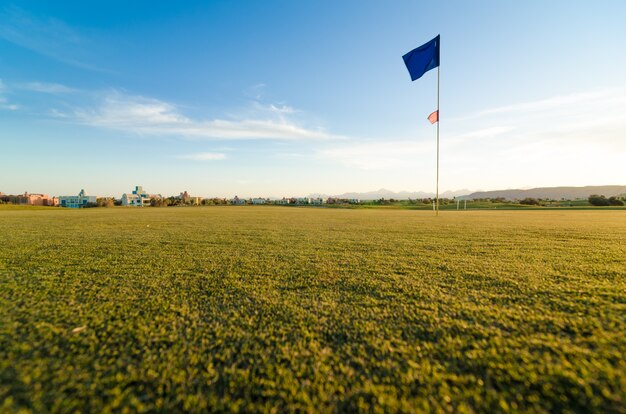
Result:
[[419, 61], [438, 121]]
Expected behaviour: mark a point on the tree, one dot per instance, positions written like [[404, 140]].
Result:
[[158, 202], [104, 202], [614, 201], [530, 201], [598, 200]]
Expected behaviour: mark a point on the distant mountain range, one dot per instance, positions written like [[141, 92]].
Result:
[[555, 193], [387, 194]]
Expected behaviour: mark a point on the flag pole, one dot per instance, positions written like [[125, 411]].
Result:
[[438, 121], [419, 61]]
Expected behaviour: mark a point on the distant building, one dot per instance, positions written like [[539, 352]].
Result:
[[138, 198], [259, 201], [35, 200], [187, 199], [301, 200], [335, 200], [81, 200], [237, 201]]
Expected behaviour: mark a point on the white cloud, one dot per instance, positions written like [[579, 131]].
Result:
[[204, 156], [149, 116], [55, 113], [577, 139], [559, 102], [590, 119], [290, 155], [376, 155], [283, 109], [486, 132], [4, 102], [5, 105], [256, 91], [43, 87], [400, 153]]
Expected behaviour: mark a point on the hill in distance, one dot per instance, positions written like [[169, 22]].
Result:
[[388, 194], [554, 193]]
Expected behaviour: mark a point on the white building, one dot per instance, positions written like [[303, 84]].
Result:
[[301, 200], [237, 201], [138, 198], [81, 200]]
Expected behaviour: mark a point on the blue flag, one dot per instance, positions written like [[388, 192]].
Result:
[[422, 59]]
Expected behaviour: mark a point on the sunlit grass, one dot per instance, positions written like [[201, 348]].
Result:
[[292, 309]]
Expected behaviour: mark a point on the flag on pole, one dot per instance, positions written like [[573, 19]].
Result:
[[434, 117], [422, 59], [419, 61]]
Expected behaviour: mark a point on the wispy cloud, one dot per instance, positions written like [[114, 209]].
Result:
[[256, 91], [44, 87], [389, 154], [376, 155], [49, 37], [557, 102], [4, 101], [4, 104], [591, 118], [575, 139], [281, 109], [204, 156], [149, 116], [487, 132], [560, 131]]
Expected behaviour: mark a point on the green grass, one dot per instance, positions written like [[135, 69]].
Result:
[[264, 309], [23, 207]]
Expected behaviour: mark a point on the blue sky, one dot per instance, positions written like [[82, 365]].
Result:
[[281, 98]]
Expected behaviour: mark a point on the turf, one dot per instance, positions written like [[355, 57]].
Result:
[[270, 309]]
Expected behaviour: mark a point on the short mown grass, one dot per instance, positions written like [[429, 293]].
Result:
[[270, 309]]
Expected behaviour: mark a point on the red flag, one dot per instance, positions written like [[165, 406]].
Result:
[[434, 117]]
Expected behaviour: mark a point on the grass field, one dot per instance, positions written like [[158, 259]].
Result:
[[275, 309]]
